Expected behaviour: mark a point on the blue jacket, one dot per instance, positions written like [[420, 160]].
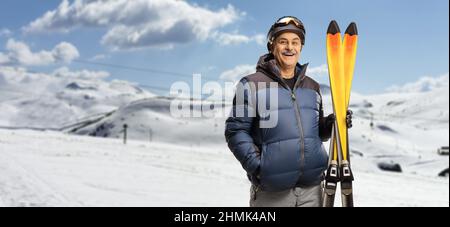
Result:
[[290, 153]]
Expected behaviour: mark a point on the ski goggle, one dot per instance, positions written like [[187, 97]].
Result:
[[287, 20]]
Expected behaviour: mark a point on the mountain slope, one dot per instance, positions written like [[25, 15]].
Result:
[[151, 119]]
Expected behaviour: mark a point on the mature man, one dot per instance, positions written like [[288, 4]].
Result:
[[284, 162]]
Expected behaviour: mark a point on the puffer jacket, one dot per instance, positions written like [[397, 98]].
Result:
[[291, 153]]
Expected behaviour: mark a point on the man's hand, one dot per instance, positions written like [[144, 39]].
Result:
[[349, 118], [331, 119]]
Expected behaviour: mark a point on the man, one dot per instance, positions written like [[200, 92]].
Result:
[[284, 162]]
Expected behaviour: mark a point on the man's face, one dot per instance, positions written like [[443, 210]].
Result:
[[286, 49]]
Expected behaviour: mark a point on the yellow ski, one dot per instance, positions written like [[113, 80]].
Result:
[[341, 58]]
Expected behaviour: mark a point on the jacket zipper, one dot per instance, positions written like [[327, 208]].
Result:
[[300, 127], [297, 114], [299, 124]]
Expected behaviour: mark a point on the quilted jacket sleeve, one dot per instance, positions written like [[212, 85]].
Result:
[[238, 128]]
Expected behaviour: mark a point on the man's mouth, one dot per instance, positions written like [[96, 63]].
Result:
[[288, 54]]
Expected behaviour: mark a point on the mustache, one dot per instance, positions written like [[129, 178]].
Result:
[[289, 52]]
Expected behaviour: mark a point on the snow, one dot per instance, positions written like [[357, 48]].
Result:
[[104, 172], [184, 161], [407, 128], [113, 174], [145, 119]]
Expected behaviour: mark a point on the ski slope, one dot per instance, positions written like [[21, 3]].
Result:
[[56, 169]]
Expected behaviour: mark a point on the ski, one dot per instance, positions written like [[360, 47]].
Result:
[[335, 71], [350, 45], [341, 58]]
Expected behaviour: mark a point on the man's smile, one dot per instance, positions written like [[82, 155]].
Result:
[[288, 54]]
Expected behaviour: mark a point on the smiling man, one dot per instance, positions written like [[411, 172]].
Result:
[[285, 163]]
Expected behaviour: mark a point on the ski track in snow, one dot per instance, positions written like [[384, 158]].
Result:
[[23, 187], [55, 169]]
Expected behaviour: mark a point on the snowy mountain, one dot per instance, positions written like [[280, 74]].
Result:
[[167, 155], [38, 100]]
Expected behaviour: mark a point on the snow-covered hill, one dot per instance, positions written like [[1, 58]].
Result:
[[151, 120]]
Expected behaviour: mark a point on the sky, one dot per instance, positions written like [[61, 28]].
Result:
[[157, 42]]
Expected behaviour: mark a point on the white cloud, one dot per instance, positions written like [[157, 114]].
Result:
[[2, 79], [234, 38], [424, 84], [237, 72], [139, 23], [260, 39], [22, 80], [21, 54], [3, 58], [22, 76], [5, 32], [64, 72], [65, 52], [318, 72]]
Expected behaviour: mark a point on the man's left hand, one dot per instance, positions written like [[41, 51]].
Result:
[[331, 118], [349, 118]]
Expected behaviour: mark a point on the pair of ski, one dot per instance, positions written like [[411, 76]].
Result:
[[341, 58]]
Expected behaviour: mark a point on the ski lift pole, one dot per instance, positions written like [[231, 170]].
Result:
[[125, 127]]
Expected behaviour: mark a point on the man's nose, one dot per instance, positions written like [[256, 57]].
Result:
[[289, 46]]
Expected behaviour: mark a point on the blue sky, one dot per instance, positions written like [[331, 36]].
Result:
[[400, 41]]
